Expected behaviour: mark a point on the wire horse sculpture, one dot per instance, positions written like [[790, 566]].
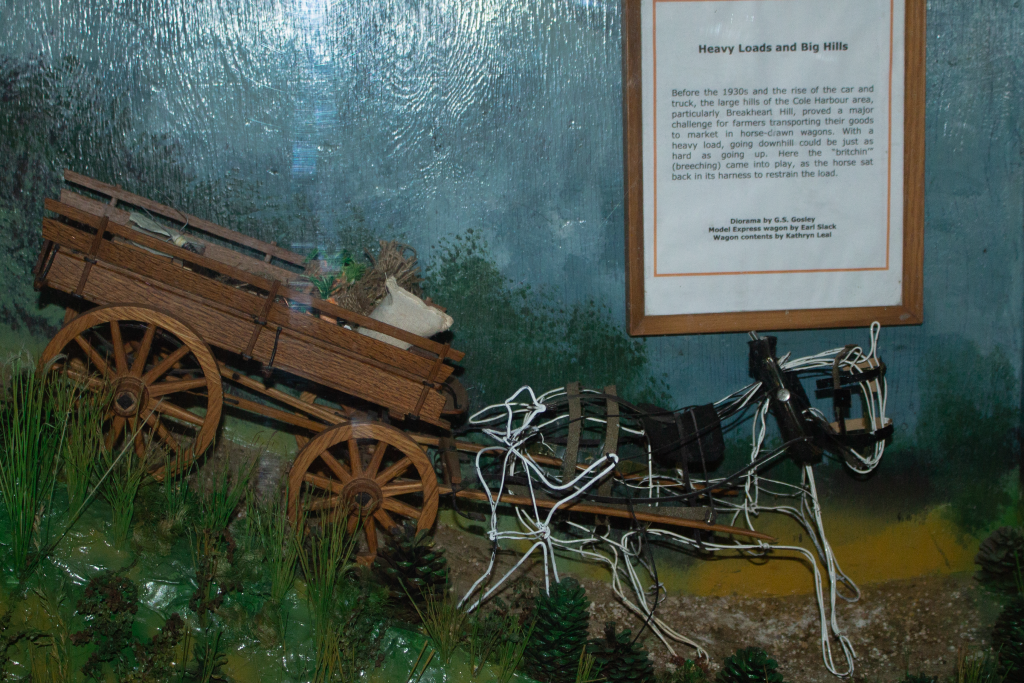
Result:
[[526, 427]]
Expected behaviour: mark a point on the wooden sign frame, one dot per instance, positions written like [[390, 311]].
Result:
[[911, 309]]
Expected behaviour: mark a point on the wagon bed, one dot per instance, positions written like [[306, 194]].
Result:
[[91, 252]]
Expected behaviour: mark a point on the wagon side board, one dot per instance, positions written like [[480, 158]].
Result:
[[212, 250], [231, 329], [208, 287], [161, 268]]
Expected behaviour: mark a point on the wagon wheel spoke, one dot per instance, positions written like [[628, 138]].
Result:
[[375, 461], [163, 434], [142, 353], [164, 365], [91, 382], [323, 483], [355, 459], [370, 527], [120, 360], [386, 520], [115, 433], [94, 356], [339, 470], [174, 386], [393, 471], [401, 508], [401, 488], [177, 413], [137, 438], [325, 503]]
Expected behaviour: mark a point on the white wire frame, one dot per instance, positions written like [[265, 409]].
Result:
[[522, 419]]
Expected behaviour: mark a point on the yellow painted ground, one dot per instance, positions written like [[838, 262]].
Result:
[[868, 550]]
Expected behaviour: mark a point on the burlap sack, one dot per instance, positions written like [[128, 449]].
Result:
[[408, 312]]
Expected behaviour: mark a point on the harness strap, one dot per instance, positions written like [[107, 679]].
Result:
[[572, 446]]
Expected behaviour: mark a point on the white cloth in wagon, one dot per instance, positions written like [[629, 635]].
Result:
[[402, 309]]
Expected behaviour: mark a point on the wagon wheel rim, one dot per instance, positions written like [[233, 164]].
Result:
[[370, 476], [162, 379]]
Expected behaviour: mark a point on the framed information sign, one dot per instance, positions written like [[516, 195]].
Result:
[[774, 154]]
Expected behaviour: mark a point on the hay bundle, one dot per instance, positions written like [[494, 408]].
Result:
[[395, 260]]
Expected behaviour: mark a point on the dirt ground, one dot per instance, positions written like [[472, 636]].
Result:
[[897, 626]]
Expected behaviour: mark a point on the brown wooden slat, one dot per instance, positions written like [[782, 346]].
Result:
[[274, 413], [326, 415], [373, 347], [184, 218], [214, 251], [148, 265], [615, 512], [224, 328]]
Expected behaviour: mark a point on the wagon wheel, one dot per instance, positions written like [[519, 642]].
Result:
[[162, 377], [370, 475]]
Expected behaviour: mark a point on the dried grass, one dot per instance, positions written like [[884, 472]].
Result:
[[396, 260]]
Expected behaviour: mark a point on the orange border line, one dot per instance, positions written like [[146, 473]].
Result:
[[654, 107]]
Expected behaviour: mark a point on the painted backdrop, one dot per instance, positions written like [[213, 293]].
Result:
[[487, 134]]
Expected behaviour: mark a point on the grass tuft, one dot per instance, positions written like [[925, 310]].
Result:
[[513, 647], [443, 620], [124, 472], [83, 446], [327, 560], [273, 533], [979, 667], [33, 423]]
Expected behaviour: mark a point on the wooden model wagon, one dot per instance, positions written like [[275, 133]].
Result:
[[169, 324], [165, 329]]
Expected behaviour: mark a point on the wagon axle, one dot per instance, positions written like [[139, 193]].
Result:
[[130, 397]]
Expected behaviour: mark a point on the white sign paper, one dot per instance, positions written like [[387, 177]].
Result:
[[773, 160]]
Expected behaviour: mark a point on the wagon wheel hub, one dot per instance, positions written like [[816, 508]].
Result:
[[362, 496], [130, 396]]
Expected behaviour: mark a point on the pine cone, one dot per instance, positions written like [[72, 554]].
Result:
[[410, 562], [749, 665], [619, 659], [999, 555], [560, 632], [1008, 640]]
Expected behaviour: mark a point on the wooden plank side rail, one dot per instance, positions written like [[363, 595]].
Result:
[[221, 296], [184, 218], [124, 231], [212, 250], [229, 329]]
